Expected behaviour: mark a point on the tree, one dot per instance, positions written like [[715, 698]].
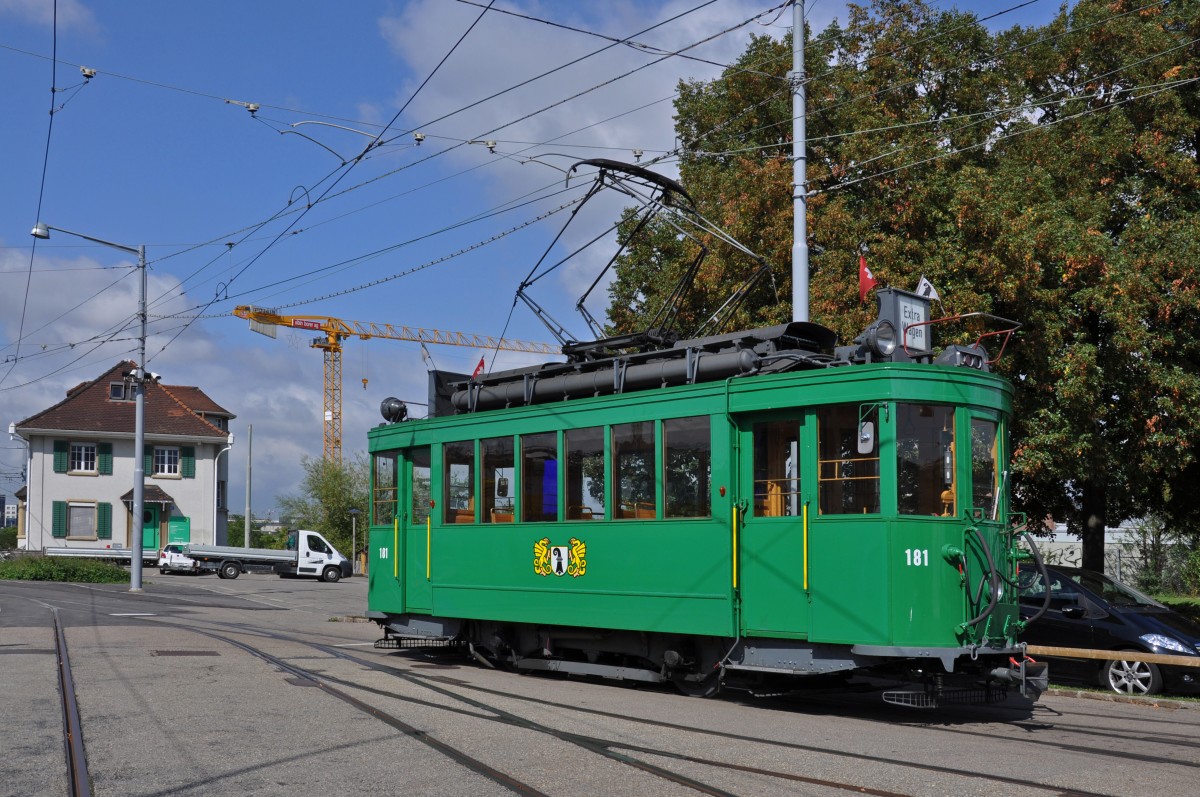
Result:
[[258, 538], [1049, 175], [329, 491]]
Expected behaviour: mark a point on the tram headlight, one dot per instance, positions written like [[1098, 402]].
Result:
[[881, 338], [393, 410], [973, 356]]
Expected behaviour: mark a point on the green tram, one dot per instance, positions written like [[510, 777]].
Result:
[[730, 510]]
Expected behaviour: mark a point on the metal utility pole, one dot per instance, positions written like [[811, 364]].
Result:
[[799, 170], [138, 510], [249, 448]]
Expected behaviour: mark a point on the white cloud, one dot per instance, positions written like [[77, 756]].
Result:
[[67, 14]]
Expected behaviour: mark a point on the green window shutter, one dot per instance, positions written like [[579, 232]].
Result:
[[62, 449], [187, 464], [104, 458], [148, 460], [104, 521], [59, 527]]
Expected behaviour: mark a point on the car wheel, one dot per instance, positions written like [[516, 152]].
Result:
[[230, 570], [1131, 677], [331, 575]]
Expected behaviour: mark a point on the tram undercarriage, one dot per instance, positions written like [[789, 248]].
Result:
[[701, 666]]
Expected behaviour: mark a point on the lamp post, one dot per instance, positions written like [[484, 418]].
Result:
[[354, 538], [41, 230]]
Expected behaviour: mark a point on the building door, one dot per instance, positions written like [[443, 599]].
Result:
[[150, 514]]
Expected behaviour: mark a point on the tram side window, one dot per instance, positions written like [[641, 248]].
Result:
[[985, 467], [421, 488], [539, 477], [498, 472], [585, 473], [458, 500], [385, 487], [777, 469], [633, 469], [925, 459], [848, 481], [687, 471]]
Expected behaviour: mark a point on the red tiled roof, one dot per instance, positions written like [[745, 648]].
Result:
[[88, 408], [197, 401]]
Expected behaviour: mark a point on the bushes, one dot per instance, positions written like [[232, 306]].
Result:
[[47, 568]]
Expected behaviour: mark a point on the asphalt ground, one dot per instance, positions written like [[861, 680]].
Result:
[[174, 703]]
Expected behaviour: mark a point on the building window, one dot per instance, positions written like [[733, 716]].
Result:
[[120, 391], [81, 520], [221, 495], [166, 461], [83, 458]]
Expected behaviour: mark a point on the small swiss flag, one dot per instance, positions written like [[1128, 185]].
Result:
[[866, 280], [478, 369]]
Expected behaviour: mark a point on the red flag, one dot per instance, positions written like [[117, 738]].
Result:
[[866, 280], [478, 369]]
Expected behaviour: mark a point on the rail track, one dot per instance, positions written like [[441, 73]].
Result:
[[78, 777], [696, 758]]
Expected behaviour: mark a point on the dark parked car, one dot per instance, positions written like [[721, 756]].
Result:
[[1089, 610]]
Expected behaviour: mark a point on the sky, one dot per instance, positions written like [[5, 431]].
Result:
[[224, 137]]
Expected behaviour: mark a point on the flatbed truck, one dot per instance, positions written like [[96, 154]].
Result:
[[308, 554]]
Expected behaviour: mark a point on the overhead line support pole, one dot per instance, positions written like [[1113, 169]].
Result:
[[799, 169]]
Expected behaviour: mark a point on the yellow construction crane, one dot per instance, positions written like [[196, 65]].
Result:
[[336, 330]]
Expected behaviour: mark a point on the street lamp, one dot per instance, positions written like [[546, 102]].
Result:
[[42, 231], [354, 538]]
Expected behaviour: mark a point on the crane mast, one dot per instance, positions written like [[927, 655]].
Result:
[[336, 330]]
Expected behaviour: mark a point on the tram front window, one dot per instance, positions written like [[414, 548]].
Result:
[[849, 480], [925, 459], [985, 468]]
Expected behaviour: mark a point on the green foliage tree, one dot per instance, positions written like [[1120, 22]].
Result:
[[328, 492], [258, 537], [1047, 174]]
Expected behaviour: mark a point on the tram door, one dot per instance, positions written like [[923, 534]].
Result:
[[415, 497], [771, 517]]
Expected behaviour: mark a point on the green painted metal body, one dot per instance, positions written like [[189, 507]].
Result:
[[881, 579]]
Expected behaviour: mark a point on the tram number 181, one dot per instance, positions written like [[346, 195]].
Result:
[[917, 557]]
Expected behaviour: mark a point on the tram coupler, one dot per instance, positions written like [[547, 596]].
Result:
[[1033, 677]]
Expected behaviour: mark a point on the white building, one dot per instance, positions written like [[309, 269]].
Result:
[[79, 489]]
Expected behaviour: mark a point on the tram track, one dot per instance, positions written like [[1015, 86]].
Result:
[[78, 778], [619, 751], [477, 702]]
